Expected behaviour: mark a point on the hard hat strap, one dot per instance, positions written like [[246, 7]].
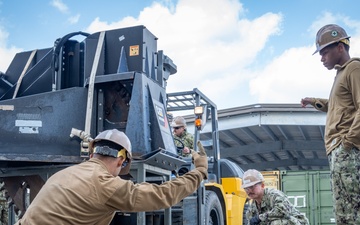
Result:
[[345, 41], [122, 153], [107, 151]]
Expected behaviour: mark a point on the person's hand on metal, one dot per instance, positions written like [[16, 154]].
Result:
[[200, 160], [255, 220]]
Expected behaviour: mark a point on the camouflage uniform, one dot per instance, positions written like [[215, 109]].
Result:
[[276, 209], [188, 141], [3, 205], [345, 180]]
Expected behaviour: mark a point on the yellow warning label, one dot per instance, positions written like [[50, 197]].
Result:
[[134, 50]]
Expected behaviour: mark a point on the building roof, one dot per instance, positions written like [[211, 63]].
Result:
[[271, 137]]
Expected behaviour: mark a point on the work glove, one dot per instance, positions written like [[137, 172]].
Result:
[[200, 160], [255, 220]]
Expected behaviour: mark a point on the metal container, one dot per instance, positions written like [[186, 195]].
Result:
[[310, 192], [272, 179]]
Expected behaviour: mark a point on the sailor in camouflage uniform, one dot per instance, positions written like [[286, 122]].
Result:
[[3, 205], [180, 133], [269, 206], [342, 128]]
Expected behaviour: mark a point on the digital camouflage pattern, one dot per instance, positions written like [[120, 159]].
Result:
[[3, 205], [276, 209], [6, 204], [187, 139], [345, 180]]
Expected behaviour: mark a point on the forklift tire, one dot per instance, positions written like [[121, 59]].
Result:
[[213, 210]]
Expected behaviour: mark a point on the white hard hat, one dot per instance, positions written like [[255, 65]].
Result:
[[118, 138], [178, 121], [252, 177]]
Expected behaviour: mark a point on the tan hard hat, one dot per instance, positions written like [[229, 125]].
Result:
[[252, 177], [328, 35], [178, 121], [118, 138]]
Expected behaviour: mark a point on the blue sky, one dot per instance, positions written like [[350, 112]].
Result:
[[238, 52]]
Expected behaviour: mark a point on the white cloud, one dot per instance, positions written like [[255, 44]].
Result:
[[98, 25], [293, 75], [63, 8], [209, 41], [58, 4], [6, 53], [297, 73], [74, 19]]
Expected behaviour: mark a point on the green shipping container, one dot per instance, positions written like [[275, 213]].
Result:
[[310, 192]]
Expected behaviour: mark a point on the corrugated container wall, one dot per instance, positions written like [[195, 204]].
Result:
[[310, 192]]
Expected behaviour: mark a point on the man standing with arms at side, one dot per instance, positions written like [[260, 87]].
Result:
[[342, 132]]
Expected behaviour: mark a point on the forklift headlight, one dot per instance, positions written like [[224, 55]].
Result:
[[199, 110]]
